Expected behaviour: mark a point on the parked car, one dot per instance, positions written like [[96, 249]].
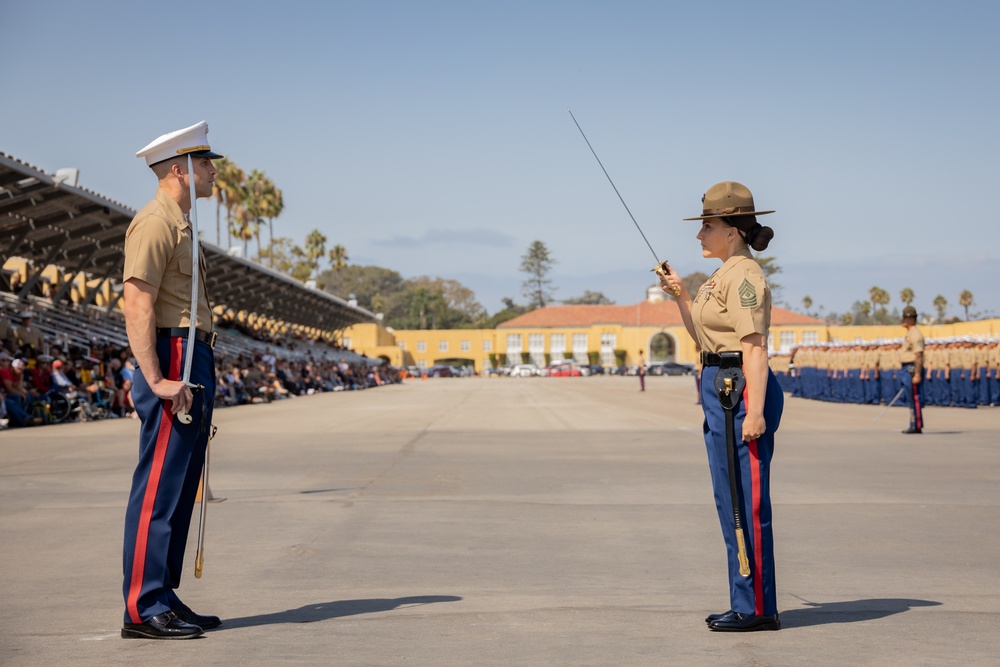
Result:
[[524, 371], [441, 372], [564, 370], [669, 368], [596, 369]]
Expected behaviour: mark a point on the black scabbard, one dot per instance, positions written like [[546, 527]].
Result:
[[729, 385]]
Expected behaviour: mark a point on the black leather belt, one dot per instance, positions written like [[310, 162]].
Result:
[[721, 359], [208, 337]]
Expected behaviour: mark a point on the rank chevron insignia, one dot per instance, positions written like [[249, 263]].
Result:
[[748, 295]]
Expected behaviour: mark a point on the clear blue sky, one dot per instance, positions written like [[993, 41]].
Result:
[[433, 138]]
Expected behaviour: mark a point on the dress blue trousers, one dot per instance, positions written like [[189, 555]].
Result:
[[913, 396], [165, 482], [755, 594]]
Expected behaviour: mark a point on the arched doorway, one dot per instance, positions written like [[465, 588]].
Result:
[[662, 347]]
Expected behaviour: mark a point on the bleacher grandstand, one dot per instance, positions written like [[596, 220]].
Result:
[[62, 249]]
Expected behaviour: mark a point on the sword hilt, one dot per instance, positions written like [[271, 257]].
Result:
[[663, 269]]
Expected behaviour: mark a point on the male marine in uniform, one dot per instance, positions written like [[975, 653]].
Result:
[[911, 357], [158, 281]]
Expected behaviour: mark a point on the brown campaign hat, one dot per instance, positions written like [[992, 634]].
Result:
[[727, 199], [909, 311]]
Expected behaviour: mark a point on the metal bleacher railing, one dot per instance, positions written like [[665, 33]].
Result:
[[68, 326]]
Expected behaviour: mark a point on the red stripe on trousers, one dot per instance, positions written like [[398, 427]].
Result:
[[152, 484], [917, 412], [758, 551]]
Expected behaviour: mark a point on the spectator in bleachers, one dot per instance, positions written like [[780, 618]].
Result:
[[28, 338], [15, 392], [41, 374], [6, 333]]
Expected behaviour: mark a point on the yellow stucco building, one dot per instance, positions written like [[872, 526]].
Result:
[[584, 333]]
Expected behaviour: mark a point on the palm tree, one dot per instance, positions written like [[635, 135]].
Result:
[[338, 257], [274, 204], [229, 192], [906, 296], [315, 248], [965, 300], [807, 303], [256, 204], [881, 298], [941, 305]]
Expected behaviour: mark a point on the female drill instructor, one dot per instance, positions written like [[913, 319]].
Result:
[[731, 314]]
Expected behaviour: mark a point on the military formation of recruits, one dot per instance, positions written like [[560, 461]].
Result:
[[958, 372]]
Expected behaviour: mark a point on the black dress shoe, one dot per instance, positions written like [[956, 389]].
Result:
[[738, 622], [715, 617], [183, 612], [163, 626], [913, 430]]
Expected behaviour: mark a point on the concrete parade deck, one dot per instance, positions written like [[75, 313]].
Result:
[[541, 521]]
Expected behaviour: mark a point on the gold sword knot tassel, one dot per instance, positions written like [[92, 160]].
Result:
[[741, 554]]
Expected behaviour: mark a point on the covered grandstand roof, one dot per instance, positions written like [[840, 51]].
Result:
[[50, 222]]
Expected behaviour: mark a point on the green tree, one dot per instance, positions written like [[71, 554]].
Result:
[[941, 306], [694, 281], [589, 298], [314, 250], [338, 257], [536, 263], [769, 265], [965, 300], [284, 256], [847, 319], [906, 296], [228, 191], [880, 298], [807, 303]]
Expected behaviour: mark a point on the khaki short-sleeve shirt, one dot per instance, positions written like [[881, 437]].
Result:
[[913, 343], [734, 303], [158, 252], [32, 337]]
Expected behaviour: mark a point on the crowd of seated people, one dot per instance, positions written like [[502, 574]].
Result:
[[265, 378], [44, 379]]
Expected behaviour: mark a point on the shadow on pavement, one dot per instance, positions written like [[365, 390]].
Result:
[[323, 611], [822, 613]]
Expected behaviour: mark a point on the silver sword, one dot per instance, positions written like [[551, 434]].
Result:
[[183, 416]]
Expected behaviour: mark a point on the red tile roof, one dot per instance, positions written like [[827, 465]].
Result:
[[644, 313]]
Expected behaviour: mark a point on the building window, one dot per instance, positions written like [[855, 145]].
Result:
[[580, 348], [465, 346], [608, 343], [513, 349], [487, 346], [661, 348], [809, 338], [557, 345], [402, 344], [787, 339], [421, 363], [536, 347], [347, 342], [421, 346], [443, 346]]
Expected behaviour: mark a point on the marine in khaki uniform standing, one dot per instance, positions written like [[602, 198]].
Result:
[[176, 416], [729, 319], [911, 359], [28, 338]]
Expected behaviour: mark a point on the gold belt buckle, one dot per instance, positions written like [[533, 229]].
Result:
[[214, 336]]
